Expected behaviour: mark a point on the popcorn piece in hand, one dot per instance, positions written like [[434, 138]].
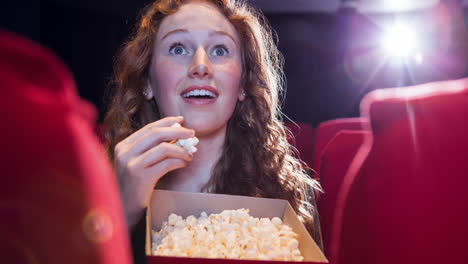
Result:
[[188, 144]]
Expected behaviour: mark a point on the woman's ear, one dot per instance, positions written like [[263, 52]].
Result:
[[148, 91], [241, 95]]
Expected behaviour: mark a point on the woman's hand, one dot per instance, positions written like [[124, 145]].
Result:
[[143, 158]]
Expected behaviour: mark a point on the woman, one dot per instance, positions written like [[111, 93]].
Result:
[[211, 66]]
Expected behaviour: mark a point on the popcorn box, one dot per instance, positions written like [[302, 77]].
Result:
[[163, 203]]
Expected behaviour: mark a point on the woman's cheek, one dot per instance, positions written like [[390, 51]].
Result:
[[167, 75], [232, 73]]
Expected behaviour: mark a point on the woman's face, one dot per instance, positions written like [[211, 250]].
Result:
[[196, 68]]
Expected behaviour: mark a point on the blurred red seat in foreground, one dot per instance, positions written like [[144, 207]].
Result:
[[59, 199], [404, 197], [336, 158], [327, 130]]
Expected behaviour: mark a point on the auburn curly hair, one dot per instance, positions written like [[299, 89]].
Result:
[[257, 159]]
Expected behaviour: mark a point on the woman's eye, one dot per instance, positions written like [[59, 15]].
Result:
[[177, 50], [219, 51]]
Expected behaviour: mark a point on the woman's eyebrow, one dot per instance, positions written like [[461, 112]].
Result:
[[174, 31], [214, 32], [220, 32]]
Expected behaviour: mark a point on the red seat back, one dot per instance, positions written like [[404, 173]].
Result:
[[404, 198], [58, 198], [336, 158], [327, 130]]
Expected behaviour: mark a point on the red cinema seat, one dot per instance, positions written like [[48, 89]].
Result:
[[59, 201], [327, 130], [303, 140], [404, 197], [336, 158]]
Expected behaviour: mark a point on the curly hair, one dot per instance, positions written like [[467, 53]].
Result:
[[257, 159]]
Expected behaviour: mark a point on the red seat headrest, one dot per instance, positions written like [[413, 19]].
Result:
[[59, 198]]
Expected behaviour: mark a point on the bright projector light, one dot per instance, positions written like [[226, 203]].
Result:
[[400, 41]]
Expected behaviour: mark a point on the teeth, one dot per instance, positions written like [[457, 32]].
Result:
[[199, 93]]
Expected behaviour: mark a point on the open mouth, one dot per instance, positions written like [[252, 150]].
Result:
[[199, 94]]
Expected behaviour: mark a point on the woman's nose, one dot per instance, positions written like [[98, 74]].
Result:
[[201, 65]]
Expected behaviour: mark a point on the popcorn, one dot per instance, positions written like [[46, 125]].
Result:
[[230, 234], [276, 221], [188, 144]]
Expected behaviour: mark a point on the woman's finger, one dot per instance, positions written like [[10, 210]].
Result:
[[155, 137], [165, 122], [162, 168], [161, 152]]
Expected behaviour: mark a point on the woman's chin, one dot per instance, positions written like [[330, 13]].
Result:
[[204, 129]]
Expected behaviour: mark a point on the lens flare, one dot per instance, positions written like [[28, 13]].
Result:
[[97, 226], [400, 41]]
